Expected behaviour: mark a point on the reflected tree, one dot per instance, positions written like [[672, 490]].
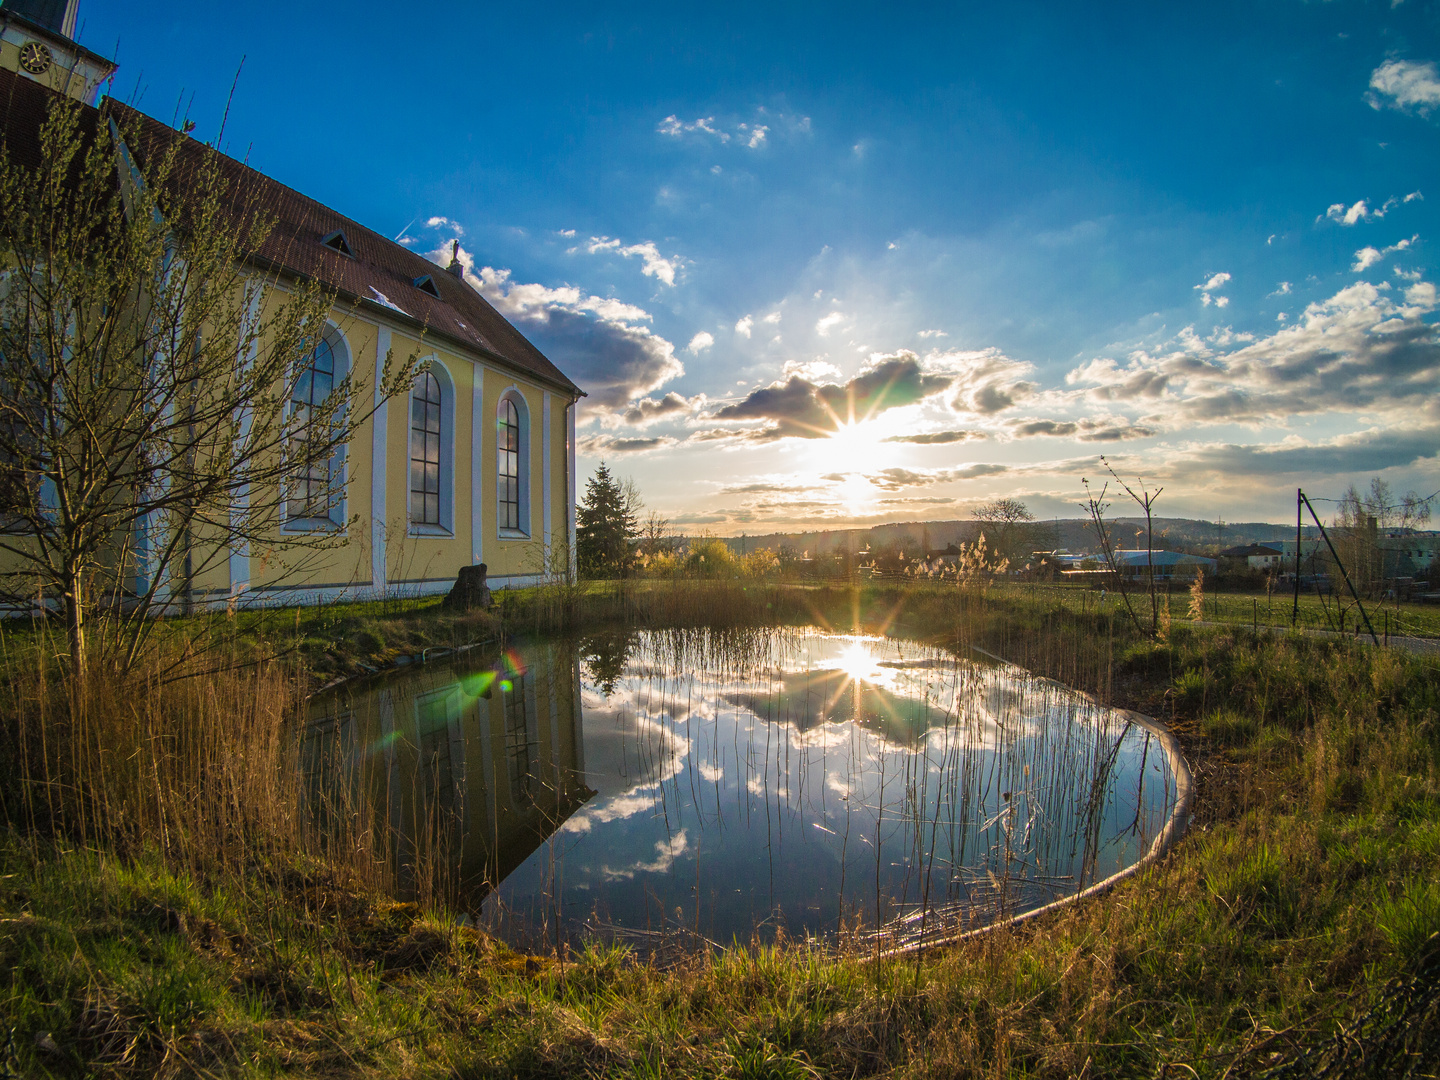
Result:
[[605, 655]]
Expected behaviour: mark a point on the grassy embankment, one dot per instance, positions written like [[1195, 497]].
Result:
[[190, 925]]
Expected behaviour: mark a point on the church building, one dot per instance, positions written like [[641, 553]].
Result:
[[475, 465]]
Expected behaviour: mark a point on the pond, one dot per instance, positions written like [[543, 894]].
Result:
[[735, 785]]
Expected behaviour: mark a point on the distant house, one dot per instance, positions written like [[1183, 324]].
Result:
[[1410, 554], [1167, 564], [1255, 556]]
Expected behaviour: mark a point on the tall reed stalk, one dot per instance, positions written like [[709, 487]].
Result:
[[194, 756]]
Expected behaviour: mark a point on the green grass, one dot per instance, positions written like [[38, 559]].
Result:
[[1306, 882]]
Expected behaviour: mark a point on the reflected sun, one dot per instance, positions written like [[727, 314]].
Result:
[[860, 665]]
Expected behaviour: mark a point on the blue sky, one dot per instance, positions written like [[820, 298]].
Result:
[[833, 264]]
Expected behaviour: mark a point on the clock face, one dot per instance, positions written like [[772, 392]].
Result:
[[35, 58]]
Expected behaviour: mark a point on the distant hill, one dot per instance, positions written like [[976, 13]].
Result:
[[1074, 534]]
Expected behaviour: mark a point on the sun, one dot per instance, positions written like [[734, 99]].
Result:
[[853, 447]]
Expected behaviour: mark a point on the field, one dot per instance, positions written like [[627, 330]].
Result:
[[166, 915]]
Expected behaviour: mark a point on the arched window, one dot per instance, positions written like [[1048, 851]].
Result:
[[425, 431], [315, 481], [512, 465], [432, 452], [508, 452]]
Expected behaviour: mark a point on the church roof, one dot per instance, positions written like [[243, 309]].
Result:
[[379, 273]]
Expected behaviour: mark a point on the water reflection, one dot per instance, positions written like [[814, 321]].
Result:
[[722, 785], [461, 770]]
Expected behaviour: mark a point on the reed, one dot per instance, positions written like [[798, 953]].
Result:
[[194, 757], [160, 943]]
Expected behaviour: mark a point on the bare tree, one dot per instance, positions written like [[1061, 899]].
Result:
[[1007, 526], [160, 397], [1095, 507], [1363, 517], [656, 535], [1145, 499]]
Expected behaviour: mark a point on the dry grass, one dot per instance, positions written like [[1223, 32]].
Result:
[[177, 917]]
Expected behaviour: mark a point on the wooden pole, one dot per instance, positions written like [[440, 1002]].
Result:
[[1295, 612]]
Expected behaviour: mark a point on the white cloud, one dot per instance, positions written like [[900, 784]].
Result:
[[743, 325], [1216, 281], [1363, 211], [751, 135], [1339, 212], [654, 264], [675, 127], [1283, 289], [1407, 84], [593, 338], [1358, 351], [986, 381], [438, 222], [701, 341], [933, 333], [772, 318], [1367, 257], [812, 370], [824, 325]]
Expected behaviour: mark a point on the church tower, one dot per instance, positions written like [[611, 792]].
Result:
[[37, 41]]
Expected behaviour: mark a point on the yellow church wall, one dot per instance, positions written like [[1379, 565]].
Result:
[[345, 564], [274, 569]]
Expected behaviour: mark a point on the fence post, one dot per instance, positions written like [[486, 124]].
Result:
[[1326, 537]]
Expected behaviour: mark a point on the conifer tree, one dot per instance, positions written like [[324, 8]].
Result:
[[606, 527]]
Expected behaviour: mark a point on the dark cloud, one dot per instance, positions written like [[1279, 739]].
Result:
[[1116, 432], [647, 409], [986, 382], [992, 399], [1024, 429], [800, 408], [595, 340], [1366, 452], [753, 489], [934, 438], [896, 478], [594, 445], [1089, 429], [716, 435], [612, 362]]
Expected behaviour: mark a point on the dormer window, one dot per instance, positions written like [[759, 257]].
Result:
[[336, 242], [425, 283]]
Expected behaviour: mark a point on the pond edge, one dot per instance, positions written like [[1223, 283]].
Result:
[[1166, 839]]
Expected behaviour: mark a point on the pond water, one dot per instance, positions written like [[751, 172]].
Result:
[[647, 785]]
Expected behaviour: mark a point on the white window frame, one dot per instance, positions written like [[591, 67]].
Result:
[[446, 528], [522, 414], [339, 463]]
